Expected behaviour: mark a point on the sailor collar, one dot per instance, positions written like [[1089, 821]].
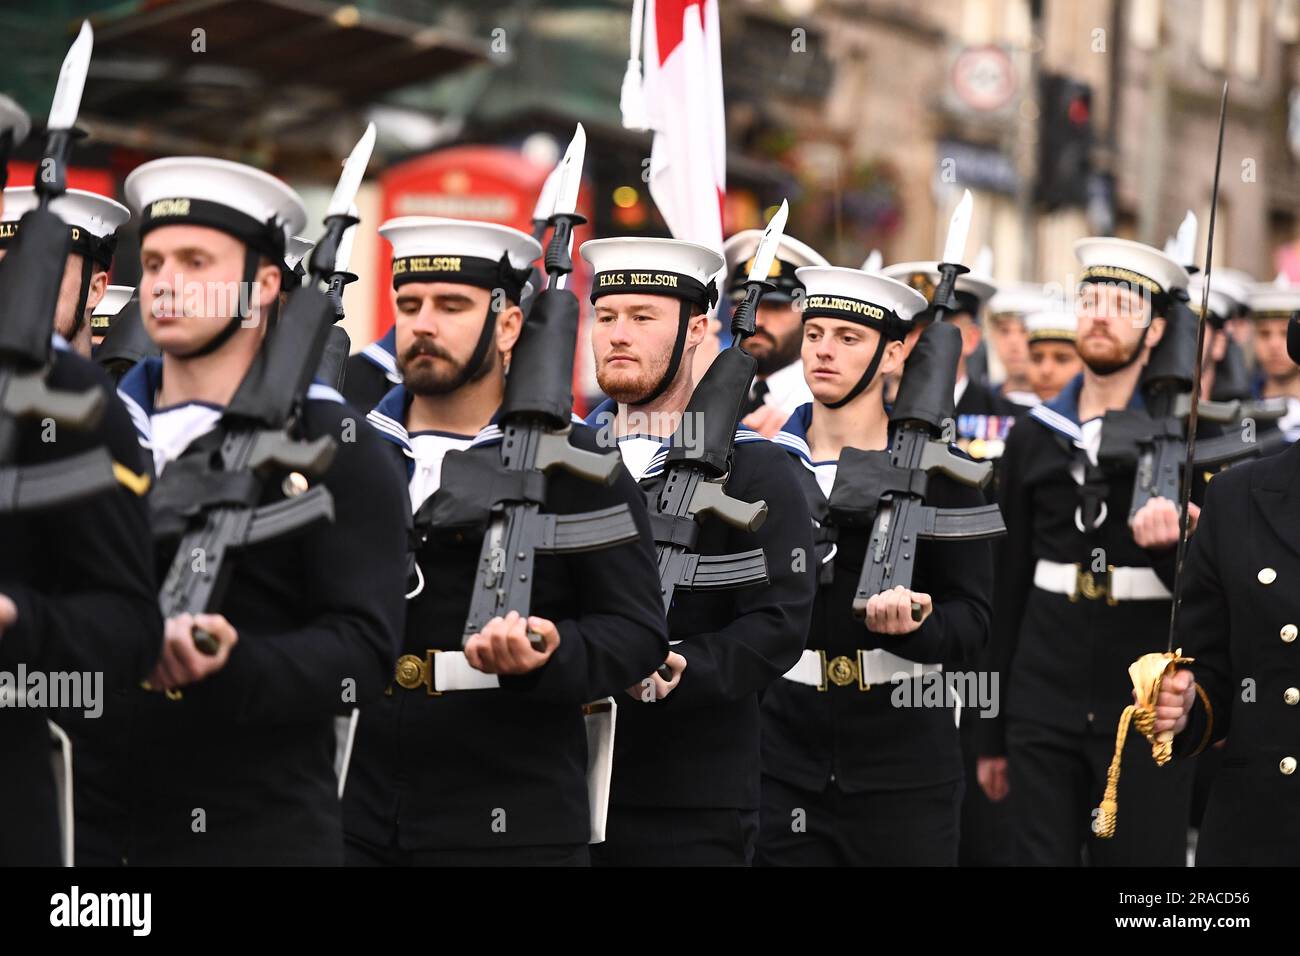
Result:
[[382, 353], [389, 419], [139, 386], [603, 415], [1061, 414]]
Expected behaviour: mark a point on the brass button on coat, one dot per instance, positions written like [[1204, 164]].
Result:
[[1287, 766], [1292, 696], [1289, 633], [1266, 576]]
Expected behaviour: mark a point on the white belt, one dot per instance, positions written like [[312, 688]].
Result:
[[1114, 584], [441, 671], [876, 666]]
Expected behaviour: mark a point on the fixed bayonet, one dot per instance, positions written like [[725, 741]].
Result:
[[535, 422], [29, 291]]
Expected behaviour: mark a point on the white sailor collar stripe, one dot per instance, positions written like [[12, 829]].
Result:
[[381, 354]]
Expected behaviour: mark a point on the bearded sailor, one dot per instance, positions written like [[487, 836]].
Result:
[[850, 777], [478, 753], [779, 386], [686, 766], [1081, 589]]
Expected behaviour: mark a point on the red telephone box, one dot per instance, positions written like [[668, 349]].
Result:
[[487, 183]]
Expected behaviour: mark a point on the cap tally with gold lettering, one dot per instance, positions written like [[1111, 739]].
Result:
[[668, 267], [255, 207], [1124, 262], [481, 254], [113, 301], [791, 254], [92, 219], [870, 299]]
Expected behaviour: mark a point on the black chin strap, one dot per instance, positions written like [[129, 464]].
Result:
[[251, 258], [867, 376], [480, 354], [79, 317], [675, 361]]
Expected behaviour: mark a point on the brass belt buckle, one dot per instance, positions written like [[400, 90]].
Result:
[[842, 671], [1093, 588], [412, 672]]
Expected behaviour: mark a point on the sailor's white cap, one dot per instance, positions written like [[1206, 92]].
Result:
[[255, 207], [1227, 295], [856, 296], [93, 219], [1052, 325], [671, 267], [436, 249], [925, 276], [1023, 298], [1122, 260], [1269, 300], [791, 254], [114, 300]]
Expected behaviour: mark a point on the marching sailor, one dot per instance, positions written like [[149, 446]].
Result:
[[1080, 591], [687, 762], [1271, 307], [1008, 310], [230, 757], [849, 776], [779, 386], [77, 591], [1053, 355], [93, 221], [478, 754], [973, 292]]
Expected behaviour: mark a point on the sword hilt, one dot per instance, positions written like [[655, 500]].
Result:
[[326, 252]]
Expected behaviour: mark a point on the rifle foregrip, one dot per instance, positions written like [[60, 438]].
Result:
[[28, 397], [743, 515], [598, 467], [939, 457]]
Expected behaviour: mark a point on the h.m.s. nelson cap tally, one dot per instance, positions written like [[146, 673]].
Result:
[[92, 219], [791, 254], [481, 254], [669, 267], [255, 207]]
